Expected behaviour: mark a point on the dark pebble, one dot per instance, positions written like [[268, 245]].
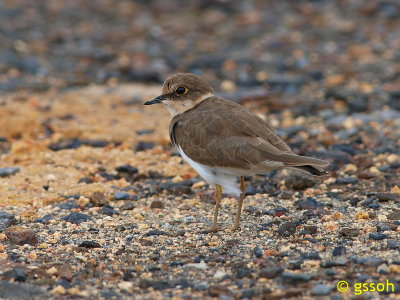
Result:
[[162, 284], [350, 232], [45, 219], [258, 252], [157, 204], [109, 210], [68, 205], [142, 146], [20, 291], [6, 220], [144, 131], [386, 227], [337, 262], [354, 201], [155, 233], [377, 236], [385, 197], [393, 244], [243, 272], [16, 274], [339, 250], [76, 218], [346, 180], [294, 278], [298, 182], [5, 172], [321, 289], [294, 264], [270, 272], [249, 293], [86, 180], [310, 256], [371, 203], [370, 261], [89, 244], [256, 211], [121, 196], [394, 215], [20, 236], [287, 229], [128, 205], [310, 229], [309, 203], [126, 169]]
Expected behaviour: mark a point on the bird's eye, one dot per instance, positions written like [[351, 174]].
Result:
[[181, 90]]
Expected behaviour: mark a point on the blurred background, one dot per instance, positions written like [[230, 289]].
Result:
[[344, 52]]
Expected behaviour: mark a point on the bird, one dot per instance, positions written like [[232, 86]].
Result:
[[223, 140]]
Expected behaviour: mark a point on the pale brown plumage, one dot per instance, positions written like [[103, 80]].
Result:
[[221, 139], [221, 133]]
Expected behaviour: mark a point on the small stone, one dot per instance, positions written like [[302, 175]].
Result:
[[321, 289], [121, 196], [385, 197], [52, 271], [21, 236], [126, 169], [350, 232], [109, 210], [298, 182], [258, 252], [157, 204], [293, 278], [89, 244], [59, 289], [393, 244], [338, 251], [6, 220], [155, 233], [128, 205], [5, 172], [270, 272], [362, 215], [76, 218], [86, 180], [218, 290], [126, 286], [377, 236], [287, 229], [346, 180], [98, 199], [309, 203], [142, 146], [394, 215], [370, 261]]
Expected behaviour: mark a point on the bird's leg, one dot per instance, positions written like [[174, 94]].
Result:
[[239, 211], [217, 202]]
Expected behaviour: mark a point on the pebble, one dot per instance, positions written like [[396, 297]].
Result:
[[98, 199], [76, 218], [339, 250], [270, 272], [5, 172], [309, 203], [346, 180], [6, 220], [128, 205], [219, 275], [298, 182], [377, 236], [369, 261], [293, 278], [395, 215], [44, 220], [287, 229], [350, 232], [393, 244], [109, 210], [321, 289], [155, 232], [126, 170], [198, 266], [20, 236], [121, 196], [157, 204], [89, 244], [258, 252]]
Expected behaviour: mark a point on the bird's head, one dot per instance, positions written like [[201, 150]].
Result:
[[182, 92]]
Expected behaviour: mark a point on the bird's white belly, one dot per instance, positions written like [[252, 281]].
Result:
[[225, 177]]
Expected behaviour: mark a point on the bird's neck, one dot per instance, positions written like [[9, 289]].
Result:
[[179, 107]]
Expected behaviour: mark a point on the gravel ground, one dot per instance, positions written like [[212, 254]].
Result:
[[95, 203]]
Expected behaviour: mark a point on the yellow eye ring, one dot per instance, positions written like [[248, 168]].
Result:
[[181, 90]]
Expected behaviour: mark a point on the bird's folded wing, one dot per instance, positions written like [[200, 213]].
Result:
[[232, 138]]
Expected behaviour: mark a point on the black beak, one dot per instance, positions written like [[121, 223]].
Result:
[[156, 100]]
